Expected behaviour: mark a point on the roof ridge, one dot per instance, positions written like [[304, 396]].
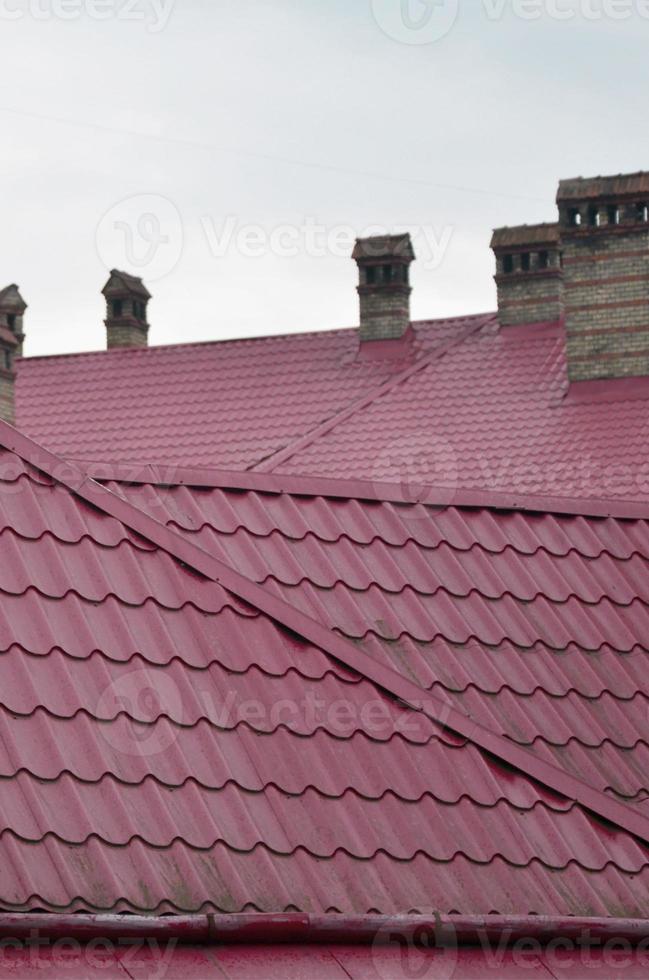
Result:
[[307, 485], [269, 463], [116, 351], [337, 647]]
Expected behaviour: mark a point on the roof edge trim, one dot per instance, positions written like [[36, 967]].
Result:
[[275, 929], [204, 478]]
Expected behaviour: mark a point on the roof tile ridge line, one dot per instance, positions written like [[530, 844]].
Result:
[[354, 488], [268, 464], [337, 647]]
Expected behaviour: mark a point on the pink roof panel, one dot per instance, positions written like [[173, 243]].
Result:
[[531, 623], [495, 413], [168, 744], [461, 405], [230, 403]]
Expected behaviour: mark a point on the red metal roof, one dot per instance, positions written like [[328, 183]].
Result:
[[463, 405], [167, 744], [326, 962], [532, 624], [230, 403], [495, 413], [183, 731]]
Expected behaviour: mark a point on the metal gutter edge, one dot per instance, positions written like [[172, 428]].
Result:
[[428, 932]]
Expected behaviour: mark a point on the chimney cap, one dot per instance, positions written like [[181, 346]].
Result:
[[11, 301], [521, 235], [384, 247], [122, 282], [593, 188]]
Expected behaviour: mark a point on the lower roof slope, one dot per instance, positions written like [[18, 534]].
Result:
[[532, 623], [176, 737]]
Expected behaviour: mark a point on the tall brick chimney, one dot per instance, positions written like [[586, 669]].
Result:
[[126, 311], [604, 224], [384, 285], [12, 310], [528, 274]]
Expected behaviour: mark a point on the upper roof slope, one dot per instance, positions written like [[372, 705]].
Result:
[[461, 404], [176, 736], [229, 404], [495, 413]]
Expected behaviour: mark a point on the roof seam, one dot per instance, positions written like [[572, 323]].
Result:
[[159, 474], [336, 646], [269, 463]]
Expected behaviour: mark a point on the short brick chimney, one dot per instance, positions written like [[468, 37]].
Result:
[[12, 310], [384, 285], [604, 224], [528, 274], [126, 311]]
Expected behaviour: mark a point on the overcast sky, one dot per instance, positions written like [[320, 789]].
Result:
[[227, 150]]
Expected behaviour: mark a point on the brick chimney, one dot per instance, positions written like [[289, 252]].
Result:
[[384, 285], [126, 311], [12, 310], [528, 274], [604, 223]]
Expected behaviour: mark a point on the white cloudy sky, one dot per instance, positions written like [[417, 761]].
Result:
[[267, 114]]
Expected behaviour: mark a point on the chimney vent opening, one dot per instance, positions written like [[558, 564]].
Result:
[[613, 212]]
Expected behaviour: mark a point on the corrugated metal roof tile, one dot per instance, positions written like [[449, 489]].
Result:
[[249, 398], [166, 746]]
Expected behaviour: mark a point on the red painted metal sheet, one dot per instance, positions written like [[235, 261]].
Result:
[[228, 404], [492, 415], [326, 962], [498, 412], [531, 623], [534, 624], [199, 755]]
